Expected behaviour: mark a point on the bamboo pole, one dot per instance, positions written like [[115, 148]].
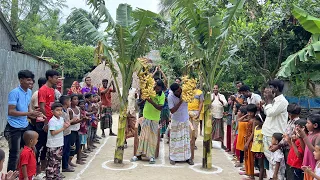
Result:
[[207, 140]]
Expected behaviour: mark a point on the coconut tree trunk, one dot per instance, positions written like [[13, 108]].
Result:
[[207, 140], [118, 155]]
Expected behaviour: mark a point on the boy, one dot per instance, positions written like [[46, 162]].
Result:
[[90, 112], [56, 126], [83, 126], [27, 163]]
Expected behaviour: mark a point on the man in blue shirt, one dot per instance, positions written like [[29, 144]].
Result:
[[18, 111]]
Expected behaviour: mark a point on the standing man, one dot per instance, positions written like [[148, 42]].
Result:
[[276, 113], [46, 97], [106, 110], [88, 87], [252, 98], [217, 108], [195, 108], [179, 133], [18, 111]]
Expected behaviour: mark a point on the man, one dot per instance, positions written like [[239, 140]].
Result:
[[178, 80], [252, 98], [88, 87], [275, 109], [106, 110], [46, 97], [18, 111], [195, 108], [217, 108], [179, 133]]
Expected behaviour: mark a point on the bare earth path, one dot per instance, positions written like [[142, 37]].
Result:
[[100, 164]]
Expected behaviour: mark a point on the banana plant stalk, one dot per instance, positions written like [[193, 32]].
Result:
[[207, 139]]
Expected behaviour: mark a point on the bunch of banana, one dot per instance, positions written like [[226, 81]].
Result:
[[188, 89], [144, 62], [147, 84]]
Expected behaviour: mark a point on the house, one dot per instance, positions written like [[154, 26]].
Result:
[[13, 59]]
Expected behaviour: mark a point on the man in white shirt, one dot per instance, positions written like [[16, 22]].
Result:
[[252, 98], [276, 112], [217, 108]]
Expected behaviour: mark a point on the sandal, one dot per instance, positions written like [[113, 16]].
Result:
[[242, 173], [80, 162], [190, 162], [134, 159], [152, 161], [103, 135], [172, 162]]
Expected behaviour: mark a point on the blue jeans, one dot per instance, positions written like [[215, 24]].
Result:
[[14, 137], [66, 152]]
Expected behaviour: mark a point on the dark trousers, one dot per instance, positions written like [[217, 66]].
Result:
[[241, 156], [42, 142], [14, 136], [66, 151], [74, 143], [229, 137], [289, 172], [297, 173]]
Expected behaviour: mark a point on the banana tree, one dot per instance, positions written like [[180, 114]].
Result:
[[307, 57], [205, 32], [122, 43]]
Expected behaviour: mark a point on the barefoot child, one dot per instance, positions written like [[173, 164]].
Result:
[[248, 155], [257, 145], [277, 162], [295, 156], [56, 126], [310, 141], [27, 162], [242, 126]]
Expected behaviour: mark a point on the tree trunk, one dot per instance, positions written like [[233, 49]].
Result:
[[207, 140], [14, 15], [118, 155]]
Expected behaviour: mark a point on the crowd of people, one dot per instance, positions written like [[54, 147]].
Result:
[[46, 130]]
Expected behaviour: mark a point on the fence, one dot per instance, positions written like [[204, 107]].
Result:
[[10, 64]]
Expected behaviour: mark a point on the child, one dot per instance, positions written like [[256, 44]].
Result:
[[95, 108], [236, 152], [56, 126], [27, 162], [248, 155], [83, 126], [277, 163], [295, 156], [10, 175], [242, 126], [308, 170], [65, 101], [257, 145], [89, 112], [74, 113], [310, 141]]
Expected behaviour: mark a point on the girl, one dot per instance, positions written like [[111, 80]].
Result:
[[83, 132], [277, 162], [257, 145], [295, 156], [308, 170], [242, 127], [310, 140]]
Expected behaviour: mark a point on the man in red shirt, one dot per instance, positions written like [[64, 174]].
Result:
[[46, 98], [106, 110]]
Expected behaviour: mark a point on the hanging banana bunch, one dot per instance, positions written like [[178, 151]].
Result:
[[188, 89], [147, 84]]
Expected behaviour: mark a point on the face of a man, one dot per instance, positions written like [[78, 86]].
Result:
[[88, 81], [239, 85], [26, 83], [105, 84], [53, 80], [215, 89], [178, 81], [178, 92]]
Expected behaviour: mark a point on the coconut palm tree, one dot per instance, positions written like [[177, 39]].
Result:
[[121, 44]]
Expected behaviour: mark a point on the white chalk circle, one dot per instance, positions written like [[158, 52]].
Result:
[[198, 169], [134, 165]]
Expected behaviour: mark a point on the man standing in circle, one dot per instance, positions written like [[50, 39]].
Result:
[[88, 87], [18, 111], [217, 108], [46, 97], [149, 127], [106, 110], [180, 133]]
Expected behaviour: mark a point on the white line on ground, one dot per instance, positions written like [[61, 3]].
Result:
[[134, 165], [93, 157]]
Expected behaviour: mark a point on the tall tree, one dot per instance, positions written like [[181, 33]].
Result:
[[14, 19]]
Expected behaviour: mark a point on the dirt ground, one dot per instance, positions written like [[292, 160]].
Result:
[[100, 164]]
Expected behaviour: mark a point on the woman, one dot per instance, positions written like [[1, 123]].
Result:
[[75, 88]]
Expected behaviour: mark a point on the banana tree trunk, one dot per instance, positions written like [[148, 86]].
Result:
[[118, 155], [207, 140]]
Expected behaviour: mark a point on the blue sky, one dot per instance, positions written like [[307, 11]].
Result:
[[112, 5]]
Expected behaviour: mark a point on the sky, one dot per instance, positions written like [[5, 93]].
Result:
[[112, 5]]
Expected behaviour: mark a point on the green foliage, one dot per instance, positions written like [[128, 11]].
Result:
[[77, 60]]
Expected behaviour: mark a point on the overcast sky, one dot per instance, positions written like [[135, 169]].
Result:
[[112, 5]]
